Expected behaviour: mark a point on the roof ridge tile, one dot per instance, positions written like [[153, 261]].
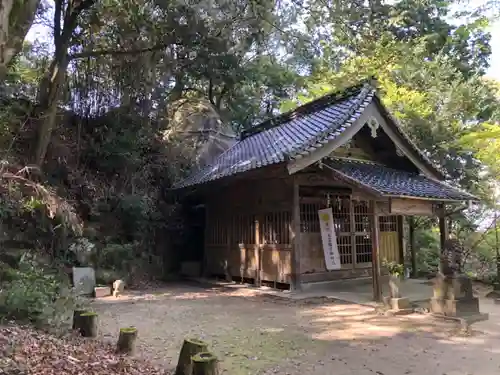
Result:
[[305, 109]]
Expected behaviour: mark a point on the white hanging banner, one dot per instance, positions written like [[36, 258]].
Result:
[[329, 239]]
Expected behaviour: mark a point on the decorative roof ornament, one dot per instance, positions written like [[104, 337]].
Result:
[[373, 125]]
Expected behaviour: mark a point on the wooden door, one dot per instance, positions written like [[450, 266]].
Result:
[[389, 239]]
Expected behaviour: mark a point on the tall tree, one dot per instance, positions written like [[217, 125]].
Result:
[[16, 18], [66, 17]]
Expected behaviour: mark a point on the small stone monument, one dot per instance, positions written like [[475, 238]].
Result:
[[118, 288], [84, 280], [453, 294]]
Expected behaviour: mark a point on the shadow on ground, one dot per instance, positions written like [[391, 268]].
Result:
[[254, 333]]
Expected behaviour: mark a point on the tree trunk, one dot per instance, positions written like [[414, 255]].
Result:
[[76, 319], [413, 250], [49, 94], [126, 340], [16, 18], [497, 250], [205, 364], [6, 51], [52, 84], [190, 347], [88, 324]]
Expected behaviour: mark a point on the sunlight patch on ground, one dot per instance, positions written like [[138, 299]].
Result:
[[193, 295], [247, 352], [357, 331]]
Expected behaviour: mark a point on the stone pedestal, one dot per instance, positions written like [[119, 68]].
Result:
[[394, 302], [401, 303], [102, 291], [453, 296], [395, 286]]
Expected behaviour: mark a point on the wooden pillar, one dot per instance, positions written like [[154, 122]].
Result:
[[413, 250], [257, 252], [443, 234], [401, 238], [375, 229], [295, 237], [228, 230], [205, 271]]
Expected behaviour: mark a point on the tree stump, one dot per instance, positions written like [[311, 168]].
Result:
[[205, 364], [88, 324], [190, 347], [126, 340], [76, 318]]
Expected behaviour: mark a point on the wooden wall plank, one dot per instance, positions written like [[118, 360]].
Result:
[[411, 207]]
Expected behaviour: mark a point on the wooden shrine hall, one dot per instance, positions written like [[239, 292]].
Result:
[[343, 152]]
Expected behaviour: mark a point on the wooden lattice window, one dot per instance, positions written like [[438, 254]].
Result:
[[275, 227], [217, 230], [388, 224], [244, 229], [361, 217], [363, 249], [362, 236], [309, 220], [344, 244], [341, 210]]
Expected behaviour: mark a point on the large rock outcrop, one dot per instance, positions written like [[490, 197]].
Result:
[[197, 126]]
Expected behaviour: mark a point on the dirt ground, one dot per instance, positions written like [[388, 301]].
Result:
[[256, 334]]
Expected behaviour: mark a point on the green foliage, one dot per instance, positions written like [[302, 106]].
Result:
[[113, 147], [484, 140], [37, 294], [7, 273], [134, 213], [106, 276], [394, 268], [427, 251], [118, 257]]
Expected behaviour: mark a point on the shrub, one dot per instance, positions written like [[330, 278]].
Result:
[[83, 250], [394, 268], [117, 257], [37, 294], [106, 276]]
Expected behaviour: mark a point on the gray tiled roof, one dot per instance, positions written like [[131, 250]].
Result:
[[288, 135], [393, 182]]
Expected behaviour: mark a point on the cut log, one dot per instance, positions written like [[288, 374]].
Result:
[[126, 340], [76, 318], [88, 324], [205, 364], [190, 347]]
